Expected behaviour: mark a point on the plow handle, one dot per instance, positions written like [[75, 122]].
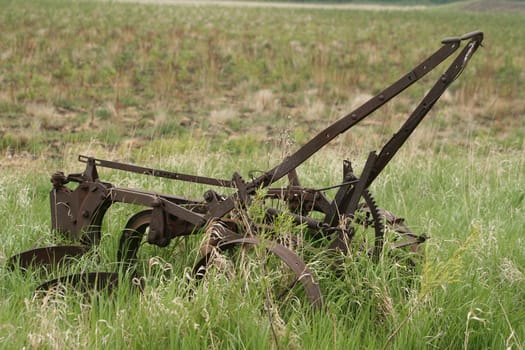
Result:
[[477, 35], [450, 45]]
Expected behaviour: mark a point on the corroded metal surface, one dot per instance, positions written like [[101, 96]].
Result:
[[46, 256]]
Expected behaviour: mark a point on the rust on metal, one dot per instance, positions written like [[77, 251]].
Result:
[[85, 281], [46, 256], [303, 274]]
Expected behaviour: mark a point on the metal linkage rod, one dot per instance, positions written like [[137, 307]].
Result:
[[419, 113], [157, 172]]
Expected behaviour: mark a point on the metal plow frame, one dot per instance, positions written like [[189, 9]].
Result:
[[78, 213]]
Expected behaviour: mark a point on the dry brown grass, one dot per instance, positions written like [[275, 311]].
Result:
[[93, 72]]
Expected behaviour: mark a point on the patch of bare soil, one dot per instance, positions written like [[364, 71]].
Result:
[[494, 5], [226, 3]]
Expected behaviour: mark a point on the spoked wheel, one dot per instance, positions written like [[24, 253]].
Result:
[[265, 269]]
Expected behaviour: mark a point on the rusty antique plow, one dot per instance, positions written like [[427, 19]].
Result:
[[78, 211]]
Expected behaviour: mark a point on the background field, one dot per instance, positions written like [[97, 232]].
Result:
[[212, 90]]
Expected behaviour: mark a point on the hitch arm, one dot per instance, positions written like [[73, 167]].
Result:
[[348, 121], [451, 74], [342, 125], [450, 45]]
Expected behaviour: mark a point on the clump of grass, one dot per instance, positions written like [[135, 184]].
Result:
[[471, 271]]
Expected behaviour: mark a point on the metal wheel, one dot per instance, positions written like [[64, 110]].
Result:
[[131, 237], [132, 247], [266, 268]]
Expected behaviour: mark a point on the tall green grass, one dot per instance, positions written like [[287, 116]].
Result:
[[466, 293]]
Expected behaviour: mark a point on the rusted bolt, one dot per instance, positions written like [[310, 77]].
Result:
[[153, 235], [58, 179], [208, 196], [85, 213], [156, 202]]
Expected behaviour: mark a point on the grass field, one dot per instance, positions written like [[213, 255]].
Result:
[[212, 90]]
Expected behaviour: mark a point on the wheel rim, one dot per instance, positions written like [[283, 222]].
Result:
[[131, 237], [303, 275]]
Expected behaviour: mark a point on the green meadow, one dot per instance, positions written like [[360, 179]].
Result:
[[210, 90]]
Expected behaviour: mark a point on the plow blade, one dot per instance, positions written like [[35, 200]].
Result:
[[46, 256], [84, 282]]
